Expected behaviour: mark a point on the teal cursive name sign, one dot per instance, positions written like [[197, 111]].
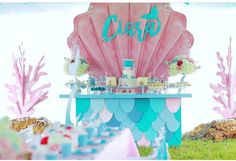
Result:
[[133, 28]]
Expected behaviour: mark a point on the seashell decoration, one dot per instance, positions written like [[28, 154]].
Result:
[[149, 55]]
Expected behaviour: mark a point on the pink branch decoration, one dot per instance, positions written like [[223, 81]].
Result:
[[225, 91], [24, 94]]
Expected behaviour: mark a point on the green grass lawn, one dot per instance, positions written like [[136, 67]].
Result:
[[145, 151], [204, 150]]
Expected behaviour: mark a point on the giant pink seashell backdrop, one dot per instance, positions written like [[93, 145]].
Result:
[[150, 56]]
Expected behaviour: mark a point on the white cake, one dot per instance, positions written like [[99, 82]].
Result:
[[128, 75]]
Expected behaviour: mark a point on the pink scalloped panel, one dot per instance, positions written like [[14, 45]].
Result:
[[144, 141], [173, 104], [105, 115]]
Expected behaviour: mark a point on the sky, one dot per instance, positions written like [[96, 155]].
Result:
[[44, 29]]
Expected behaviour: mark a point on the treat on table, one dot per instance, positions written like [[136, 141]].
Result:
[[142, 81], [126, 90], [38, 124], [98, 88], [111, 81]]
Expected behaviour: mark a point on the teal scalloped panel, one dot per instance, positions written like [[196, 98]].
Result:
[[82, 105], [172, 124], [112, 104], [120, 115], [135, 115], [169, 135], [88, 113], [143, 125], [127, 123], [97, 104], [113, 122], [174, 142], [136, 133], [127, 105], [173, 138], [157, 124], [157, 104], [151, 134], [166, 114], [80, 117], [178, 115], [150, 115], [142, 104], [178, 133]]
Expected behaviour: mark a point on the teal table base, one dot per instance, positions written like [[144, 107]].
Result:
[[143, 114]]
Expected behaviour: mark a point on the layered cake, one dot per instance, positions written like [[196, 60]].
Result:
[[128, 78]]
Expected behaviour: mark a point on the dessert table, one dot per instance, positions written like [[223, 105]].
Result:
[[143, 114]]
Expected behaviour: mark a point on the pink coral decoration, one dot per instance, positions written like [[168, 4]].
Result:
[[225, 91], [23, 94], [150, 55]]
